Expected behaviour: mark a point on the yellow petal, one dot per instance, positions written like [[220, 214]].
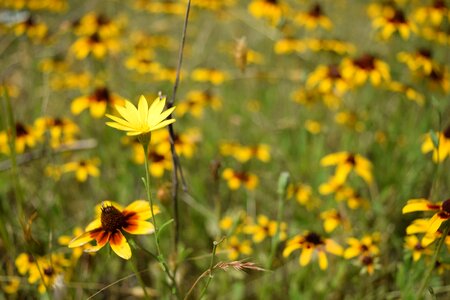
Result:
[[139, 227], [81, 240], [120, 245], [305, 257]]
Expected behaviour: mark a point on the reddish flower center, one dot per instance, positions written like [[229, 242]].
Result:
[[424, 53], [446, 206], [112, 219], [418, 246], [367, 260], [316, 11], [155, 157], [439, 4], [242, 176], [21, 130], [313, 238], [333, 72], [398, 18], [49, 271], [351, 159], [101, 94], [365, 62], [447, 132]]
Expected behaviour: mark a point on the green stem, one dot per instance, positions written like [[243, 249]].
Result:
[[210, 270], [433, 261], [283, 182], [139, 278], [161, 259]]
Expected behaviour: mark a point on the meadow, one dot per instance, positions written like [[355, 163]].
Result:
[[206, 149]]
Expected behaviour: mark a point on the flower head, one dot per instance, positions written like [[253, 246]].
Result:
[[142, 119], [110, 223]]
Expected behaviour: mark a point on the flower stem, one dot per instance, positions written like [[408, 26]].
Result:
[[210, 270], [283, 182], [139, 278], [160, 256], [427, 277]]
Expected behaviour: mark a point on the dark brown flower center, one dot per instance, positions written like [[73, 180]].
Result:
[[101, 95], [365, 62], [447, 132], [333, 72], [94, 38], [316, 11], [439, 4], [367, 260], [242, 176], [313, 238], [446, 206], [49, 271], [351, 159], [112, 219], [398, 17], [424, 52], [418, 246], [21, 130], [155, 157]]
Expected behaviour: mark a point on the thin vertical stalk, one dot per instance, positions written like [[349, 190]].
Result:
[[139, 278], [175, 159], [427, 277], [161, 259]]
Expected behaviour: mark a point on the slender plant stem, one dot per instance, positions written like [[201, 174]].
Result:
[[161, 259], [427, 277], [210, 270], [283, 182], [139, 278], [175, 159]]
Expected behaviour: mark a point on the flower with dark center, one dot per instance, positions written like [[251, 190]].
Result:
[[311, 243], [110, 224], [442, 212]]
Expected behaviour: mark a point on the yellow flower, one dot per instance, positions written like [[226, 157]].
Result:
[[365, 246], [311, 243], [62, 130], [236, 179], [234, 247], [358, 71], [409, 92], [346, 162], [332, 219], [420, 60], [48, 270], [393, 20], [417, 247], [196, 101], [111, 221], [142, 119], [328, 79], [11, 284], [214, 76], [421, 204], [82, 168], [442, 151], [434, 14], [313, 19], [97, 102], [265, 228], [272, 10]]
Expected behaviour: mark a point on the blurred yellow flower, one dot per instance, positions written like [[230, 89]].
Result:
[[313, 19], [311, 243], [97, 102], [235, 179], [440, 147], [442, 211], [346, 162], [82, 168], [235, 247], [266, 228]]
